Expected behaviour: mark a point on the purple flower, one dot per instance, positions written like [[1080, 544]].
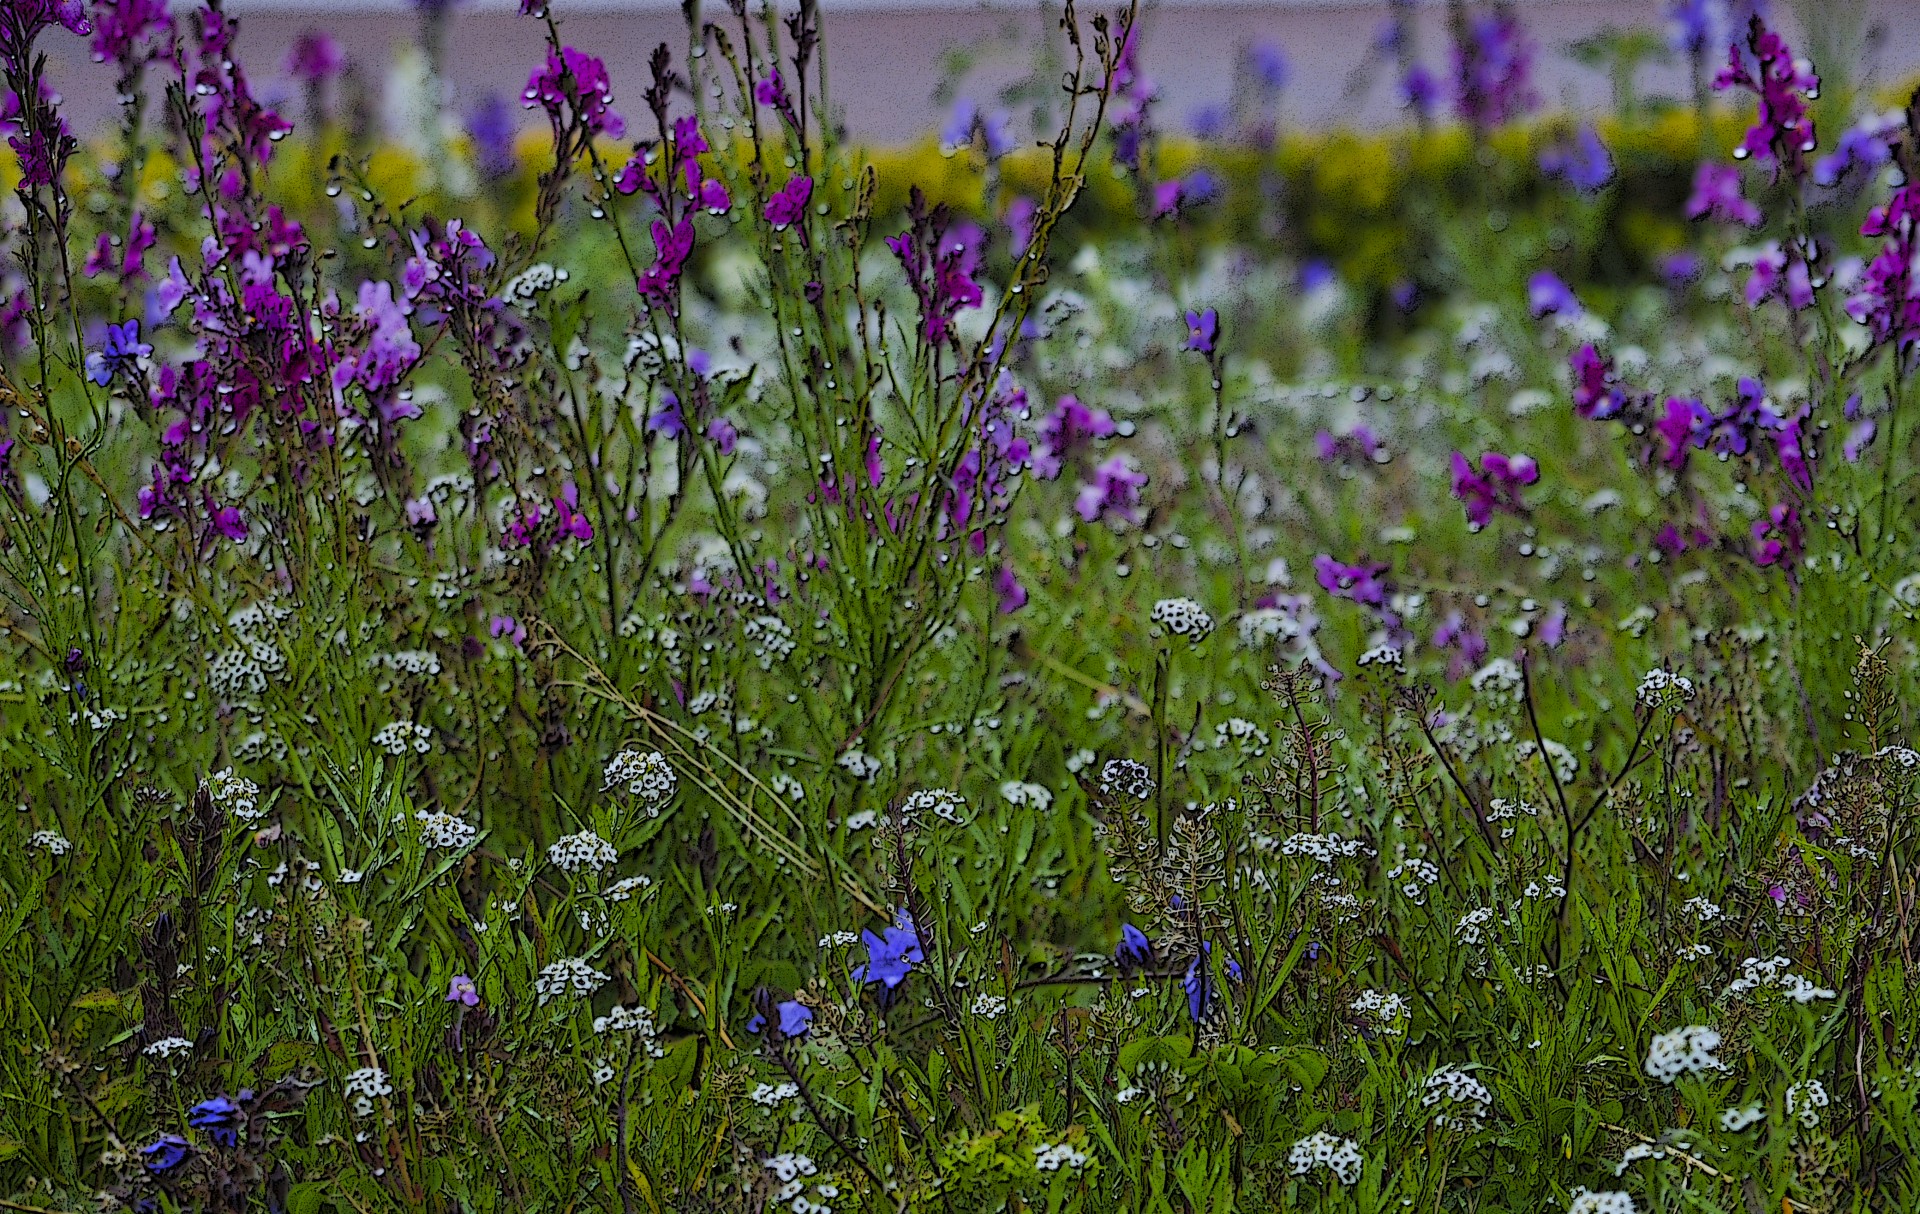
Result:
[[1778, 538], [1495, 486], [1135, 950], [219, 1118], [1695, 27], [573, 88], [1595, 395], [490, 125], [1469, 645], [568, 521], [1492, 68], [720, 433], [1868, 144], [1359, 583], [1553, 628], [789, 203], [1020, 216], [1070, 426], [939, 262], [512, 629], [315, 57], [1888, 301], [660, 282], [891, 954], [1585, 163], [1203, 329], [1114, 492], [462, 989], [1199, 985], [1549, 295], [165, 1153], [120, 351], [1782, 129], [1679, 267], [1682, 426], [793, 1017], [1789, 445], [772, 92], [1777, 271], [1268, 65], [1420, 90], [1006, 585], [969, 123], [666, 421]]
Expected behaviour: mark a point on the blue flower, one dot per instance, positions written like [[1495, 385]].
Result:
[[795, 1019], [219, 1117], [166, 1153], [121, 347], [1199, 986], [891, 954], [1135, 949], [1585, 163]]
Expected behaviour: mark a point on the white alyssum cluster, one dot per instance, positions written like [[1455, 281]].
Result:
[[1415, 876], [50, 841], [1324, 848], [1341, 1156], [1387, 657], [1737, 1119], [398, 737], [438, 828], [1609, 1201], [773, 1095], [627, 887], [789, 1165], [366, 1085], [1498, 680], [167, 1047], [1705, 909], [990, 1007], [236, 795], [942, 803], [1659, 687], [1240, 732], [1124, 779], [1382, 1010], [1022, 795], [1636, 1153], [1500, 809], [863, 765], [422, 662], [645, 776], [571, 853], [771, 639], [1805, 1100], [1264, 624], [1183, 617], [1051, 1157], [524, 289], [636, 1022], [568, 976], [1461, 1100], [1773, 974], [1468, 929], [1685, 1051], [1566, 764]]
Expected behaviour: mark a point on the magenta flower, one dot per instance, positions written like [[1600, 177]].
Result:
[[1361, 583], [1681, 426], [1494, 486], [1006, 585], [1595, 395], [568, 521], [1114, 492], [1789, 444], [1492, 69], [1203, 330], [720, 433], [315, 57], [1778, 538], [660, 282], [1888, 301], [1070, 426], [573, 88], [789, 203], [1782, 130], [1716, 193]]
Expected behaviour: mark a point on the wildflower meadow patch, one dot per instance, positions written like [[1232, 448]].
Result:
[[645, 667]]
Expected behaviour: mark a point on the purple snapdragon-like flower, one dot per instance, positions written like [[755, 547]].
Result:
[[1203, 330], [464, 991], [130, 33], [1465, 644], [219, 1118], [1007, 589], [1596, 395], [891, 954], [165, 1153], [1782, 131], [1789, 443], [1113, 493], [490, 126], [1866, 144], [1888, 300], [1716, 194], [1584, 161], [788, 204], [659, 283], [1420, 91], [1492, 70], [1696, 27], [1549, 295], [1267, 64], [1199, 986], [939, 261], [1495, 485], [1750, 416], [315, 58], [1359, 445], [970, 126], [119, 352], [1783, 272], [1135, 951], [1362, 583], [125, 258], [573, 88], [1068, 428], [1682, 426], [1778, 538]]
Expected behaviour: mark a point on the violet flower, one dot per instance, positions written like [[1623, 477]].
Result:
[[219, 1118], [1888, 301], [1135, 951], [1492, 69], [788, 205], [1682, 426], [1203, 330], [314, 57], [1069, 427], [1549, 295], [1361, 583], [1778, 538], [1596, 396], [119, 352], [573, 88], [1782, 130], [892, 954], [1494, 486], [165, 1153], [1006, 585], [463, 990], [1113, 493], [793, 1018], [1585, 162]]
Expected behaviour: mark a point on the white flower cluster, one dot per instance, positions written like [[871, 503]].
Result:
[[991, 1007], [1183, 617], [771, 639], [1382, 1010], [646, 776], [1051, 1157], [627, 887], [1659, 688], [1126, 780], [408, 661], [366, 1085], [1497, 680], [1500, 809], [571, 975], [1028, 796], [1462, 1100], [571, 853], [524, 289], [1341, 1156], [1687, 1051], [50, 841], [942, 803], [1702, 908], [1467, 931], [637, 1021], [398, 737], [1324, 848], [1756, 974], [1387, 657], [863, 765], [1265, 624], [1610, 1201], [1737, 1119], [441, 829], [1637, 1152], [167, 1047], [790, 1166], [1805, 1100], [1566, 765], [237, 795], [1419, 876], [773, 1095], [1240, 732]]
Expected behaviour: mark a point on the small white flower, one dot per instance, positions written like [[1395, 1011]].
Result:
[[645, 776], [1054, 1156], [236, 795], [789, 1165], [572, 976], [571, 853], [1183, 617], [167, 1047], [1686, 1051], [1030, 796], [1387, 657], [1702, 908], [991, 1007], [863, 766], [1735, 1120], [1660, 688], [1467, 931], [1805, 1100], [1341, 1156], [1497, 680], [1613, 1201], [1382, 1009], [50, 841], [351, 876], [773, 1095], [1124, 779], [627, 887], [366, 1085], [942, 803], [399, 737], [441, 829], [1463, 1100]]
